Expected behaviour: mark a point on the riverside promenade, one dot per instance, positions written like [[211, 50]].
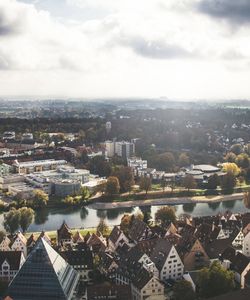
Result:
[[166, 201]]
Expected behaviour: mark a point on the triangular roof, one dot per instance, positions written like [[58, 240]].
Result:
[[78, 237], [64, 232], [31, 240], [44, 275]]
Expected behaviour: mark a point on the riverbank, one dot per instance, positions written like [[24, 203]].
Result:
[[167, 201]]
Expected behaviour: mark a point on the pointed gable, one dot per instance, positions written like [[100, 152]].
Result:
[[64, 233], [78, 238], [44, 275]]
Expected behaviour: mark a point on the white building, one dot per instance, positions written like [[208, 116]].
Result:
[[20, 243], [124, 149], [4, 169], [10, 263], [246, 245], [9, 135], [37, 166], [110, 148]]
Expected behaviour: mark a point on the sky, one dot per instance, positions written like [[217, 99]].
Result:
[[176, 49]]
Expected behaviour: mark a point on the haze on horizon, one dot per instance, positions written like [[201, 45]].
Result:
[[179, 49]]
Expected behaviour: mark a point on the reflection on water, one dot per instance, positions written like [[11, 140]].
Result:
[[87, 217], [189, 207]]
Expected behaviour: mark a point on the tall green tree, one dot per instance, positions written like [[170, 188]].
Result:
[[228, 182], [12, 220], [40, 199], [183, 291], [213, 182], [165, 215], [26, 217], [126, 178], [145, 184], [113, 186], [189, 182], [215, 280]]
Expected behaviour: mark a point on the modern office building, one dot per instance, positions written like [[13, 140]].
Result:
[[122, 149], [37, 166]]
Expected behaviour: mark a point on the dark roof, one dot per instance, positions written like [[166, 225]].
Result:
[[217, 247], [247, 279], [12, 257], [142, 278], [114, 235], [31, 240], [243, 294], [160, 252], [137, 229], [109, 291], [78, 257], [147, 246], [228, 253], [195, 276], [240, 262], [44, 275], [64, 232]]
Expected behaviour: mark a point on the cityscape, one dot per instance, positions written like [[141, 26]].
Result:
[[124, 150]]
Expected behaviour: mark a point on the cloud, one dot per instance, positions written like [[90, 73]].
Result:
[[234, 11], [156, 49]]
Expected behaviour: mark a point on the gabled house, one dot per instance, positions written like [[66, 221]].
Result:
[[196, 257], [167, 260], [19, 243], [45, 236], [139, 231], [145, 286], [109, 292], [238, 238], [97, 243], [30, 242], [5, 244], [117, 238], [246, 245], [240, 266], [81, 261], [10, 263], [64, 235], [78, 238]]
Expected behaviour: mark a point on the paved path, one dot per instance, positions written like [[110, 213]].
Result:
[[166, 201]]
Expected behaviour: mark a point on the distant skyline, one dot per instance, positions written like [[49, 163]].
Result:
[[178, 49]]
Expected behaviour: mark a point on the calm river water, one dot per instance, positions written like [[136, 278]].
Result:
[[87, 217]]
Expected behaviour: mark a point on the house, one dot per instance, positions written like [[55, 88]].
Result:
[[145, 286], [78, 238], [5, 244], [30, 243], [108, 264], [109, 292], [19, 243], [192, 277], [246, 245], [64, 235], [139, 230], [216, 247], [196, 257], [81, 261], [45, 236], [240, 266], [10, 263], [116, 238], [167, 260], [238, 239], [96, 242]]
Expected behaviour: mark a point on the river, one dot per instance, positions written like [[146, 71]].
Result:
[[86, 217]]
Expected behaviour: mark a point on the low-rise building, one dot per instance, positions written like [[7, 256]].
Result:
[[10, 264], [37, 166]]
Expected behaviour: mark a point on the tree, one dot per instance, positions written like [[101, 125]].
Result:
[[236, 149], [40, 199], [228, 181], [164, 161], [26, 217], [12, 220], [113, 186], [242, 160], [215, 280], [98, 165], [102, 227], [145, 184], [165, 215], [247, 199], [183, 291], [125, 223], [189, 182], [231, 168], [230, 157], [213, 182], [126, 178], [163, 184], [183, 160]]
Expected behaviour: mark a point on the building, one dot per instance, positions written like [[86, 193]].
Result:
[[4, 169], [137, 164], [5, 181], [19, 243], [64, 235], [108, 126], [10, 263], [246, 245], [124, 149], [81, 261], [65, 187], [108, 292], [44, 275], [145, 286], [110, 148], [9, 135], [117, 238], [22, 190], [27, 136], [37, 166]]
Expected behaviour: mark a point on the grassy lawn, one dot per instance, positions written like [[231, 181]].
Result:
[[53, 234]]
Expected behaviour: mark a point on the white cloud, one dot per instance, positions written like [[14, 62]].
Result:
[[133, 48]]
